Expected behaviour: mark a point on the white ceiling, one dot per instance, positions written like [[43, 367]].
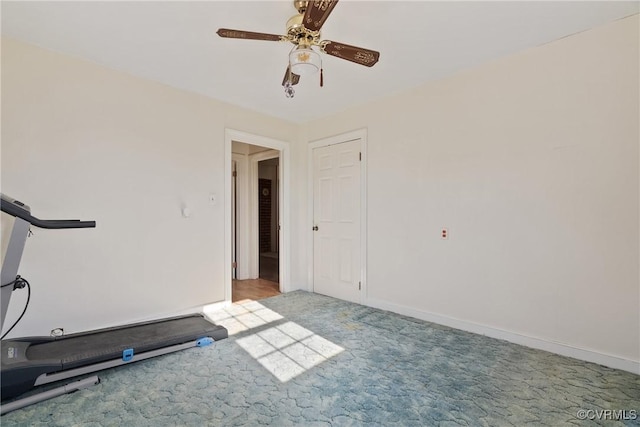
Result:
[[175, 43]]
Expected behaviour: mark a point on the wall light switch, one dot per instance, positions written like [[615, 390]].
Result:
[[444, 234]]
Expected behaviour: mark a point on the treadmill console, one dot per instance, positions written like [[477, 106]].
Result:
[[14, 203]]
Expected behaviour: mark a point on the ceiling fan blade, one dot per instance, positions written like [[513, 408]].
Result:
[[295, 78], [239, 34], [351, 53], [317, 13]]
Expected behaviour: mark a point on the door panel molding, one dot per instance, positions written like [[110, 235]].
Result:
[[360, 134]]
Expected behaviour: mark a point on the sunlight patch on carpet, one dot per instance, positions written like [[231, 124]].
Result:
[[288, 350], [243, 316]]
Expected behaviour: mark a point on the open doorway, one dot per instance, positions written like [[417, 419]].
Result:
[[256, 203]]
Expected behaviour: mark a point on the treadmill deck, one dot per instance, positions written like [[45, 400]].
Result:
[[80, 349]]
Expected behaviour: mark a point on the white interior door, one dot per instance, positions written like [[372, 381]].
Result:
[[336, 213]]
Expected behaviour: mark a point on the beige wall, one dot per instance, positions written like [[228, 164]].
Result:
[[532, 163], [83, 141]]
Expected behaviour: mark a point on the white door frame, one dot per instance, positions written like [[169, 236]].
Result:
[[360, 134], [231, 135], [254, 244], [242, 216]]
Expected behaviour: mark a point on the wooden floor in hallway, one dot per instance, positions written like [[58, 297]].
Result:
[[254, 289]]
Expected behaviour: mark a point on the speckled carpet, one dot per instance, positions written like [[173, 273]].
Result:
[[307, 360]]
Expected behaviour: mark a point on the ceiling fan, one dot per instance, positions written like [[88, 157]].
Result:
[[303, 30]]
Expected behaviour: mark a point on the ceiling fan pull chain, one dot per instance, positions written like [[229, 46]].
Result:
[[321, 79]]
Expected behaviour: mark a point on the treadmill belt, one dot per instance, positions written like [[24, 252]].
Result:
[[80, 349]]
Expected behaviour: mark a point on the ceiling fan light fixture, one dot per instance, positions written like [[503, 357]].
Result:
[[304, 61]]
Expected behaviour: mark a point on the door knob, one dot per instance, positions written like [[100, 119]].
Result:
[[315, 228]]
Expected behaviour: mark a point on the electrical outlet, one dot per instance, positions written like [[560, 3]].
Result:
[[444, 234]]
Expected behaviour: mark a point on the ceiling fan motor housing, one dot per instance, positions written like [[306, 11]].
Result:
[[298, 34]]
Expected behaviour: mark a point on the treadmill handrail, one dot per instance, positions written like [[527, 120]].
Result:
[[13, 209]]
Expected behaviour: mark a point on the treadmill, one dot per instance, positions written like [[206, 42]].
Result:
[[34, 361]]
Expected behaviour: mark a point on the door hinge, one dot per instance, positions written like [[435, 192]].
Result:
[[234, 174], [359, 286], [360, 156], [234, 265]]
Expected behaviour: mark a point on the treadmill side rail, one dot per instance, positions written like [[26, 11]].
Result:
[[63, 375], [49, 394]]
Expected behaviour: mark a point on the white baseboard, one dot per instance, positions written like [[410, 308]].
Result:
[[198, 309], [525, 340]]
